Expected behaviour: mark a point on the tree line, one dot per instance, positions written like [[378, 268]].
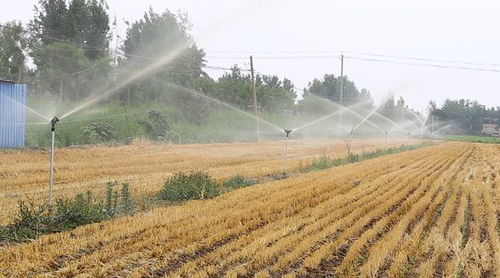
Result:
[[65, 54]]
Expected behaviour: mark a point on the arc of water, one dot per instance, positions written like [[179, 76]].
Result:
[[224, 104], [165, 59], [416, 116], [442, 128], [316, 121], [349, 109], [29, 109], [151, 68], [398, 126], [366, 118]]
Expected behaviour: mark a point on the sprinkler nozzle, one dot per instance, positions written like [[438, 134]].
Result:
[[53, 123], [288, 131]]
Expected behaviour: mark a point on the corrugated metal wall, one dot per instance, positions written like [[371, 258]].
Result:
[[12, 114]]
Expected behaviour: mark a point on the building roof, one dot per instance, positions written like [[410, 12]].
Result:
[[7, 81]]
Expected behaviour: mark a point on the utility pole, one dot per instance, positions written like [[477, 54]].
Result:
[[341, 96], [255, 100]]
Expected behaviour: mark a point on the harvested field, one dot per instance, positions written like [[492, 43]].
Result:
[[24, 174], [427, 212]]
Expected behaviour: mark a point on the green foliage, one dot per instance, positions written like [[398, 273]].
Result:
[[329, 87], [156, 126], [127, 202], [466, 114], [238, 181], [99, 132], [475, 139], [83, 23], [33, 220], [325, 162], [13, 43], [66, 214], [152, 37], [70, 214], [193, 185], [273, 94]]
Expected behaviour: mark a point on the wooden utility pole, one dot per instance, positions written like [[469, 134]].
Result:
[[341, 96], [256, 110]]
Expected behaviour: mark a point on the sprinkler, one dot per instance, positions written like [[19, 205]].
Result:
[[53, 123], [385, 140], [287, 134], [350, 142]]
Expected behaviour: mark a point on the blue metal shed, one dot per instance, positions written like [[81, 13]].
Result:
[[12, 114]]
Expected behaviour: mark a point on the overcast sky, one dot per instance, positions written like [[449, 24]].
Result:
[[465, 31]]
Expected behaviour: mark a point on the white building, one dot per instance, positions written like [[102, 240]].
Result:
[[491, 130]]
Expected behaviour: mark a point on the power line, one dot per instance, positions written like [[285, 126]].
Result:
[[372, 60], [423, 64], [339, 52], [71, 73]]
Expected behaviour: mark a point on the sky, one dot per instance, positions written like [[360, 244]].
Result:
[[303, 40]]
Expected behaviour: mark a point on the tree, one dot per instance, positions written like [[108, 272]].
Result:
[[84, 23], [50, 21], [329, 87], [272, 93], [88, 24], [13, 43], [154, 36], [466, 114]]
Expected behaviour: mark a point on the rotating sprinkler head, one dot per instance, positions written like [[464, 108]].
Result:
[[53, 123], [287, 132]]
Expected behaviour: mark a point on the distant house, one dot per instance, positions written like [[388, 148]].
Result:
[[491, 130], [12, 114]]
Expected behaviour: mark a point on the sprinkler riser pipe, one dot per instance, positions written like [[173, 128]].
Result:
[[385, 147], [51, 176], [287, 134], [53, 123]]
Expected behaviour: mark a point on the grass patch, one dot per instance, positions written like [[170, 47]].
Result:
[[473, 139], [238, 181], [325, 161]]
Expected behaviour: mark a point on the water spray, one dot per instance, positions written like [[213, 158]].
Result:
[[53, 123], [385, 140], [287, 134]]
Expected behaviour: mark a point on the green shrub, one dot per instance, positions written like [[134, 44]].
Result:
[[127, 202], [238, 181], [66, 214], [70, 214], [34, 220], [98, 132], [193, 185]]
